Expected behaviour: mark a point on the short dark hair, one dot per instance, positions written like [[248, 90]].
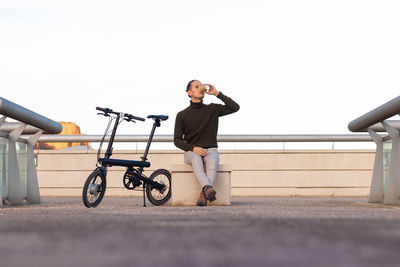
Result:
[[189, 84]]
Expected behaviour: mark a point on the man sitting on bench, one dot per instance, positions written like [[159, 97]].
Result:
[[196, 129]]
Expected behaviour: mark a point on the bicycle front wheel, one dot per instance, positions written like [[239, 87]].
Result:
[[159, 197], [94, 189]]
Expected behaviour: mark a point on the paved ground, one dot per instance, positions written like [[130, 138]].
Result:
[[271, 231]]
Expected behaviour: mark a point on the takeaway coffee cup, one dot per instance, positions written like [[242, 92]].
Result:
[[204, 88]]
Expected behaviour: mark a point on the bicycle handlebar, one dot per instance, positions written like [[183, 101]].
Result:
[[106, 110], [129, 117]]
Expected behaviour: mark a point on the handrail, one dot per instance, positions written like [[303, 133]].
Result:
[[384, 188], [221, 138], [20, 187], [17, 112], [381, 113]]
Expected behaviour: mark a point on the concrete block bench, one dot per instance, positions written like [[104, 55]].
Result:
[[186, 188]]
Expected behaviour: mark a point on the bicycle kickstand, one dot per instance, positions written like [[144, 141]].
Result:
[[144, 197]]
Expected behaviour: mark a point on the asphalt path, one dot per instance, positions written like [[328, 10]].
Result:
[[269, 231]]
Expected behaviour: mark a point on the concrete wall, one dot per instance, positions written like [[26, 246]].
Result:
[[255, 173]]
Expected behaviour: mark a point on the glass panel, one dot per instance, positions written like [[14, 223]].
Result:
[[387, 149], [3, 166], [22, 164]]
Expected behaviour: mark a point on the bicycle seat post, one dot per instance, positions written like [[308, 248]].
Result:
[[155, 125]]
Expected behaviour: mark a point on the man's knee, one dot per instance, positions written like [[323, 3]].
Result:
[[212, 159]]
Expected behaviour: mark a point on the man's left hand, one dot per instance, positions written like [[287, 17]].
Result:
[[212, 90]]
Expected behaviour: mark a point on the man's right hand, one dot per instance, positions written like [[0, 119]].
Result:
[[200, 151]]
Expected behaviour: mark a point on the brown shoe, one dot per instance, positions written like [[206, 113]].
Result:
[[210, 193], [202, 201]]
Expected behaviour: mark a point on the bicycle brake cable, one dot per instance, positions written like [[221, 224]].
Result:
[[121, 118], [110, 119]]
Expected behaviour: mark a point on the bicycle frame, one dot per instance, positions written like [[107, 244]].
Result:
[[109, 150], [156, 186], [139, 175]]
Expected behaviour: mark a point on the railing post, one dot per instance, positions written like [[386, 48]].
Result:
[[32, 185], [14, 189], [376, 194], [392, 183], [2, 120]]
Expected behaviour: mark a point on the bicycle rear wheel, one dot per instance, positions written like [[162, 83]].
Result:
[[155, 196], [94, 189]]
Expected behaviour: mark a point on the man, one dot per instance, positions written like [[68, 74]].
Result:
[[196, 129]]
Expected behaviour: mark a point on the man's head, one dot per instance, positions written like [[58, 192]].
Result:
[[194, 92]]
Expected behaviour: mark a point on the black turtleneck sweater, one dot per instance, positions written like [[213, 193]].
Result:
[[197, 125]]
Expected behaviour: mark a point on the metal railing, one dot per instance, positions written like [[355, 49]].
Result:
[[19, 113], [232, 142], [383, 190], [30, 123], [221, 138], [378, 115]]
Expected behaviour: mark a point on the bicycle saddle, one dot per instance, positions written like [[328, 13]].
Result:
[[160, 117]]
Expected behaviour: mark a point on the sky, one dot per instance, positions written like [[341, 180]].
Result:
[[295, 67]]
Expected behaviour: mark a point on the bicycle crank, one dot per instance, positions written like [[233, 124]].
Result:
[[130, 182]]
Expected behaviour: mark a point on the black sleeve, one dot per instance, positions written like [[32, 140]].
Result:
[[178, 134], [229, 107]]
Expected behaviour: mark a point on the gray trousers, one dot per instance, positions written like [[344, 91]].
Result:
[[204, 168]]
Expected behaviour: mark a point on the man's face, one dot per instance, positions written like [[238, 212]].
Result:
[[195, 91]]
